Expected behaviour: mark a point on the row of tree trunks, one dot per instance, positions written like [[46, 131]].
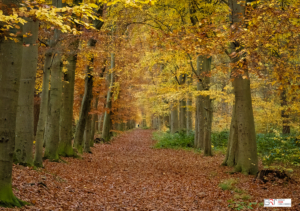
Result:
[[88, 95]]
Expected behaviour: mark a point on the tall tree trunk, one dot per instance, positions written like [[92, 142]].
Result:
[[100, 123], [166, 120], [242, 150], [284, 115], [87, 134], [66, 116], [201, 67], [182, 108], [159, 125], [205, 112], [10, 73], [144, 121], [107, 122], [196, 139], [52, 129], [94, 119], [85, 108], [88, 95], [38, 159], [51, 136], [25, 113], [174, 119], [207, 126], [189, 125]]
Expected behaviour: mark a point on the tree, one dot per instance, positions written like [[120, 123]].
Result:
[[10, 73], [66, 116], [86, 101], [241, 150], [107, 121], [24, 122]]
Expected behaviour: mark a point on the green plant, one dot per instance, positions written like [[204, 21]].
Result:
[[276, 148], [219, 139], [240, 205], [237, 190], [243, 196], [271, 147], [173, 141], [228, 184]]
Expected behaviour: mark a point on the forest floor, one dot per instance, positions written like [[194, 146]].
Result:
[[129, 174]]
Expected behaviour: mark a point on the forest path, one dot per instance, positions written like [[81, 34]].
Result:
[[129, 174]]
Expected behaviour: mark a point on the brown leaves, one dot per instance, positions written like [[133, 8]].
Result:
[[130, 175]]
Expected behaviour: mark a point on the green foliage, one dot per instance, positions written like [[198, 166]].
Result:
[[174, 141], [240, 205], [272, 147], [243, 196], [228, 184], [278, 148], [219, 139]]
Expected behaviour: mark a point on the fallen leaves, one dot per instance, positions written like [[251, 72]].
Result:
[[130, 175]]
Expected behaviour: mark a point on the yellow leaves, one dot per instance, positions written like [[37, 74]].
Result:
[[64, 69]]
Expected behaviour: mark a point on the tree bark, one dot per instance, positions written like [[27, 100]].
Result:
[[284, 115], [196, 139], [182, 108], [38, 159], [52, 128], [166, 120], [51, 137], [66, 116], [202, 66], [25, 113], [10, 73], [174, 119], [242, 150], [88, 95], [85, 108], [205, 111], [207, 126], [100, 123], [94, 119], [87, 134], [107, 122], [189, 125]]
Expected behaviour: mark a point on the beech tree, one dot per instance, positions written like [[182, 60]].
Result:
[[241, 150], [10, 74]]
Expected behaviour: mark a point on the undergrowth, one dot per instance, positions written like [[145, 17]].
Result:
[[271, 147], [174, 141]]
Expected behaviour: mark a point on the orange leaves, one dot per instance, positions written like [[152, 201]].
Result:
[[130, 174]]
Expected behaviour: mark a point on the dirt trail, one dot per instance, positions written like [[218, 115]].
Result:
[[129, 175]]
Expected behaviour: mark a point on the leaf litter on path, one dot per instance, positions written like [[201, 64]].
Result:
[[130, 175]]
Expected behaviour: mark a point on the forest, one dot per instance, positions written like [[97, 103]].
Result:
[[149, 104]]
